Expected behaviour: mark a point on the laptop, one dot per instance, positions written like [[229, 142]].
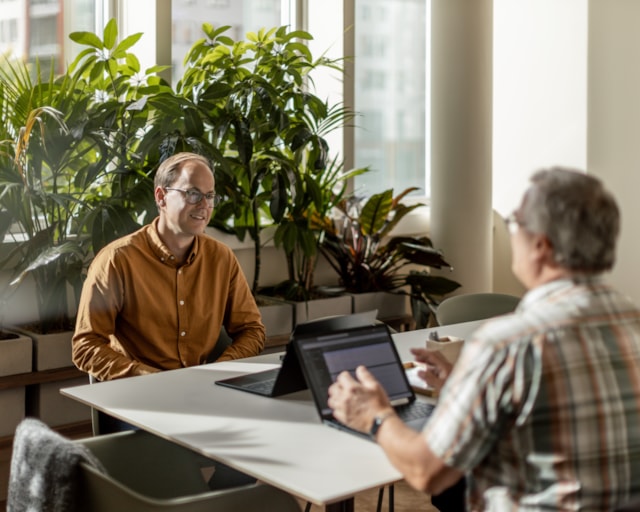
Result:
[[289, 378], [323, 356]]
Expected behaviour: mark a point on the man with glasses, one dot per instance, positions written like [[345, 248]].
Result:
[[540, 412], [158, 298]]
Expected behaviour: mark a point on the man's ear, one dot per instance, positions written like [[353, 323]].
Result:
[[159, 194], [543, 250]]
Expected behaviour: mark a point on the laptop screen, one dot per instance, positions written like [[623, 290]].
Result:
[[325, 356]]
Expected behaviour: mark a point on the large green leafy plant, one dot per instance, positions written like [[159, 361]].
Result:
[[273, 163], [78, 152], [359, 244], [66, 186]]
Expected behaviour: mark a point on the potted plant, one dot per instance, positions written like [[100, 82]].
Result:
[[359, 245], [273, 160], [273, 167], [62, 190], [299, 235]]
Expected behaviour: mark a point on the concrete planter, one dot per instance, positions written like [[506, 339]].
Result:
[[389, 305], [50, 350], [15, 358], [277, 316], [44, 401], [305, 311], [320, 308], [15, 354]]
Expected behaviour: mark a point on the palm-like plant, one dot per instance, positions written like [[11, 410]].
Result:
[[58, 178], [273, 165], [37, 189], [299, 233]]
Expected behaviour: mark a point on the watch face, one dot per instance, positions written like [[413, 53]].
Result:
[[377, 422]]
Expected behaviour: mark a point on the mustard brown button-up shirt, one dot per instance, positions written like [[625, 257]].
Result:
[[141, 312]]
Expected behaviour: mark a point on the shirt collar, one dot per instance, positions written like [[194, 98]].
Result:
[[161, 250], [556, 286]]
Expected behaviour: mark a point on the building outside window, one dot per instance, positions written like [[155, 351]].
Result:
[[390, 77], [242, 16], [389, 83], [390, 91], [39, 29]]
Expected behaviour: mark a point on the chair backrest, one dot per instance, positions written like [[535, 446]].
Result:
[[133, 471], [147, 473], [474, 306], [224, 340], [102, 493]]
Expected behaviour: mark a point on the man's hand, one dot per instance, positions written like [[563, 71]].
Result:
[[356, 402], [437, 367]]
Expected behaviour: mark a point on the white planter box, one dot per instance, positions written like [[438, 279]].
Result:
[[15, 355], [44, 401], [50, 350], [319, 308], [389, 305], [277, 316], [15, 358]]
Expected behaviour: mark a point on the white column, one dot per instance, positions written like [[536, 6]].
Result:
[[154, 47], [461, 138], [613, 137]]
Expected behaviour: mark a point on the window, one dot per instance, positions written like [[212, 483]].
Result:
[[187, 17], [391, 94], [389, 43], [39, 28]]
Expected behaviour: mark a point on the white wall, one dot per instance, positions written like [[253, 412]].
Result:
[[539, 91], [614, 121]]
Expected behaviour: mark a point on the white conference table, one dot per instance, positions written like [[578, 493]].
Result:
[[280, 441]]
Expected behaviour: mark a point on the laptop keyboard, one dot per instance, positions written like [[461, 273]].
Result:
[[264, 386], [414, 411], [409, 412]]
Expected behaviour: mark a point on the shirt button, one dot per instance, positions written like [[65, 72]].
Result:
[[183, 333], [179, 271], [171, 258], [182, 303], [162, 259]]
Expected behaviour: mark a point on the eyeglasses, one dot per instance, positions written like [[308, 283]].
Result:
[[194, 196], [512, 223]]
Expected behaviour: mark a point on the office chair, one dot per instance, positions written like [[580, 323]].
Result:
[[474, 306], [133, 471]]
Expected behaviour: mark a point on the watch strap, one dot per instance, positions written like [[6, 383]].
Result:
[[378, 420]]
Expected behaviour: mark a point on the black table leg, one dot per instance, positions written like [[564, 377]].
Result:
[[347, 505]]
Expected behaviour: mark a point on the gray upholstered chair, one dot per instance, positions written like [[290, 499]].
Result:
[[474, 306], [133, 471], [145, 473]]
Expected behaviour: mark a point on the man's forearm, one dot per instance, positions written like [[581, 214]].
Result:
[[248, 343], [409, 453], [97, 358]]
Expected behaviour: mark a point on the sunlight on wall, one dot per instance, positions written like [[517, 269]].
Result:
[[325, 22], [540, 92]]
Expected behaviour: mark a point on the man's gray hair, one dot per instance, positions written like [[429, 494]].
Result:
[[577, 214]]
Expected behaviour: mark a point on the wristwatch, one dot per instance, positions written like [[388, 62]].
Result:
[[378, 420]]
